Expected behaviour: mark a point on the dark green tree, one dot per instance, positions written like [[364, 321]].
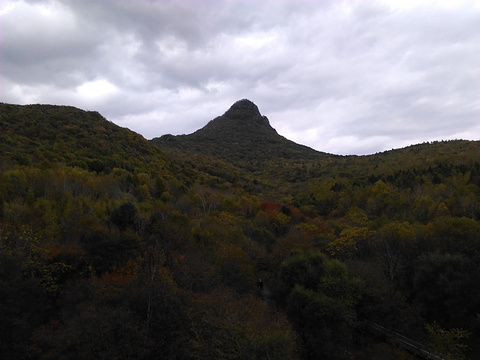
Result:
[[125, 217], [320, 301], [447, 289]]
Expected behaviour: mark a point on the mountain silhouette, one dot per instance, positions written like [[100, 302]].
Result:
[[242, 133]]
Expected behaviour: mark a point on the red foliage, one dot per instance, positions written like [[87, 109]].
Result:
[[270, 207]]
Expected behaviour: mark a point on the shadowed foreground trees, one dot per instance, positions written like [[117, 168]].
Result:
[[228, 326], [320, 299], [447, 289]]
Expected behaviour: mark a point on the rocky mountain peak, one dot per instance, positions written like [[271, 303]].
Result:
[[241, 134], [243, 110]]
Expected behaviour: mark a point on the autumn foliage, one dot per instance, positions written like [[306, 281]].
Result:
[[112, 247]]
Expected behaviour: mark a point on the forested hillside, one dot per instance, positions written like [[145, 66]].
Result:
[[115, 247]]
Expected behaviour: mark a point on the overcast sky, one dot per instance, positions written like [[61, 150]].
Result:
[[345, 77]]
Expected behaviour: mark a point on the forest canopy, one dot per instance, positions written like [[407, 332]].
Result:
[[115, 247]]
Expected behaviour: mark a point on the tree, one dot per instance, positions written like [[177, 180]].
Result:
[[349, 241], [446, 289], [236, 269], [229, 325], [93, 333], [448, 343], [125, 217], [107, 250], [458, 235], [24, 305], [319, 299], [394, 242], [154, 297]]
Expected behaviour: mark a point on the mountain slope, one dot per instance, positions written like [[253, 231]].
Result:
[[32, 134], [241, 134]]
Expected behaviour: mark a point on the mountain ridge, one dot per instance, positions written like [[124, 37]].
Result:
[[34, 133]]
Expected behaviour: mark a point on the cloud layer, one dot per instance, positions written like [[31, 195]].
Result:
[[345, 77]]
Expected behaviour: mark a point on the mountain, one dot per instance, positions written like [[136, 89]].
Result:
[[239, 145], [241, 134], [243, 139]]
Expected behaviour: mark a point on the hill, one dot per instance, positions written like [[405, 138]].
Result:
[[32, 134]]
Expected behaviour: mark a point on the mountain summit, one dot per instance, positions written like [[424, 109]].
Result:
[[242, 121], [242, 133], [243, 109]]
